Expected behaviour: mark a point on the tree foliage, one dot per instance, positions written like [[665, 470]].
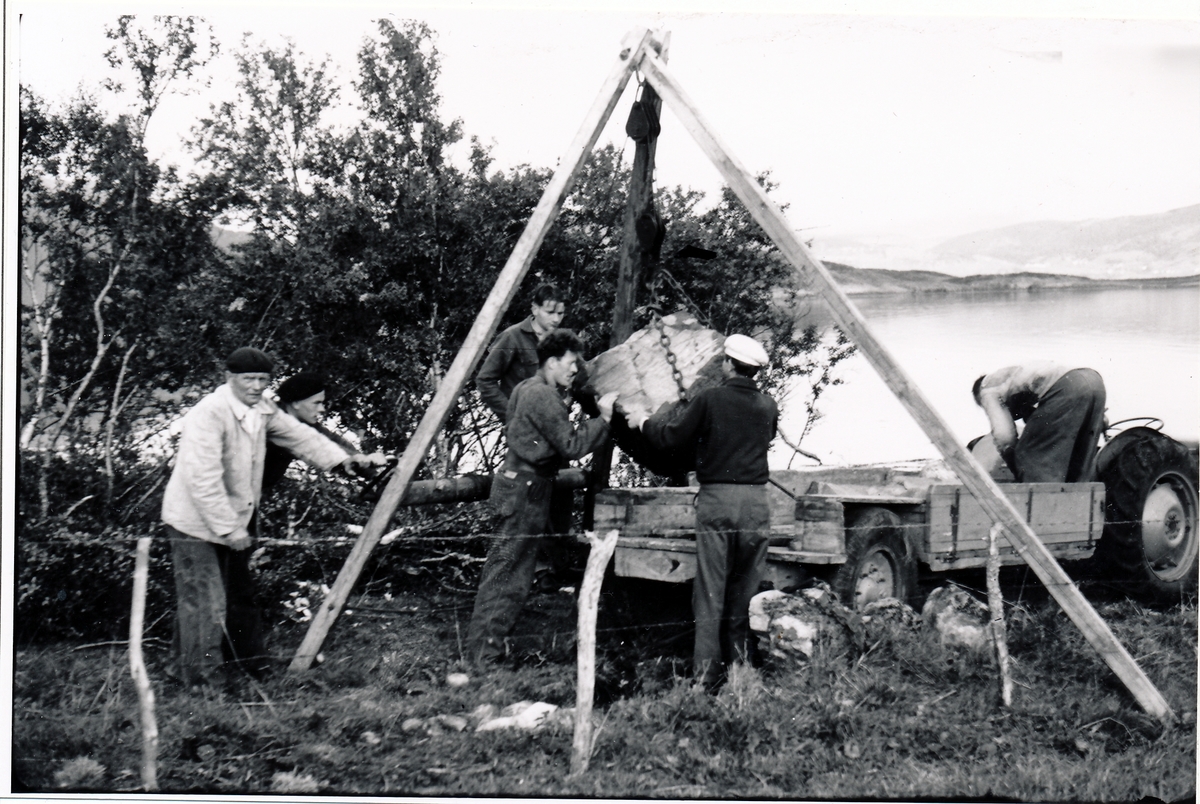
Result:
[[357, 247], [107, 236]]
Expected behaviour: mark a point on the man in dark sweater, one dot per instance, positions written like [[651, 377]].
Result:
[[541, 440], [302, 396], [732, 426]]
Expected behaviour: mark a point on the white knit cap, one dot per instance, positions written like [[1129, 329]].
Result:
[[745, 349]]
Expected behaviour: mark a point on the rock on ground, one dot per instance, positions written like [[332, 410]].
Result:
[[958, 618], [890, 610], [523, 715], [795, 626]]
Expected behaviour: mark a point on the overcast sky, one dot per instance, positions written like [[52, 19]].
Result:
[[872, 125]]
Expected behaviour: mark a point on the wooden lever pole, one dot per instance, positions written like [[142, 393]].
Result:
[[982, 487], [477, 339]]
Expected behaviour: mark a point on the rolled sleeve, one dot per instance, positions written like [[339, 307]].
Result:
[[553, 422]]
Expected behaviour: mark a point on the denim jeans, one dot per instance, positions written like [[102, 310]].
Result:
[[523, 503]]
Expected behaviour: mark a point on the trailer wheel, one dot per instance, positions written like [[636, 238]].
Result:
[[1150, 537], [879, 561]]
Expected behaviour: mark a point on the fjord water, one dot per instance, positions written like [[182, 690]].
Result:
[[1144, 342]]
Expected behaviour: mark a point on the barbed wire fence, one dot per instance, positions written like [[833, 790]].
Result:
[[446, 530]]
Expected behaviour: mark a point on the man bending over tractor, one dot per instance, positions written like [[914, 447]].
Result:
[[1063, 410]]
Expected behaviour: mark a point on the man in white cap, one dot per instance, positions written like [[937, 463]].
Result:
[[731, 425]]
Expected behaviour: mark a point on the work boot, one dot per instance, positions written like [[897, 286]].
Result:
[[710, 678], [486, 655]]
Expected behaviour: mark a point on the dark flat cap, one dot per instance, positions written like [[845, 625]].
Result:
[[301, 386], [247, 359]]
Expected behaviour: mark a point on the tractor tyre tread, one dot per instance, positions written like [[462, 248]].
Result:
[[1128, 476], [876, 526]]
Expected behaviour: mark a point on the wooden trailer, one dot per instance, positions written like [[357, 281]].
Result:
[[869, 530]]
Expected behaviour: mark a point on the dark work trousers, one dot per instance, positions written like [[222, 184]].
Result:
[[217, 618], [1058, 444], [523, 502], [556, 550], [733, 528]]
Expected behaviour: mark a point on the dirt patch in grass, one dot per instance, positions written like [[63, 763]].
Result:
[[905, 718]]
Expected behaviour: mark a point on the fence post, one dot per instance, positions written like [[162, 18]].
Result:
[[137, 667], [585, 647], [996, 605]]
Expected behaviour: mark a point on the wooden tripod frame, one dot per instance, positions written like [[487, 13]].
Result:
[[640, 50]]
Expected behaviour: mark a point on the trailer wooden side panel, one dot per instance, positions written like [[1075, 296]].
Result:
[[674, 561], [671, 512], [1068, 518], [667, 512]]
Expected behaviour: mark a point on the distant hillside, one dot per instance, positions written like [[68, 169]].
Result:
[[862, 281], [1162, 244], [1132, 247]]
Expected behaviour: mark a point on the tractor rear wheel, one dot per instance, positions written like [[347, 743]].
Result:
[[1150, 541], [879, 561]]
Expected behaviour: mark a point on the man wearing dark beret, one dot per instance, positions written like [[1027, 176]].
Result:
[[212, 495], [303, 397]]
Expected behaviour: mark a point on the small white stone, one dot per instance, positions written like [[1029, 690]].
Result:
[[512, 710], [532, 716], [496, 724], [482, 713]]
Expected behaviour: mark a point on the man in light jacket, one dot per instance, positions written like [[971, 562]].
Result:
[[213, 492]]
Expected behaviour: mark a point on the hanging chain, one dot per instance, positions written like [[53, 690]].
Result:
[[665, 340], [656, 320], [660, 276], [692, 307]]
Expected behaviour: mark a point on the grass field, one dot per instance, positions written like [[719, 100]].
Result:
[[903, 718]]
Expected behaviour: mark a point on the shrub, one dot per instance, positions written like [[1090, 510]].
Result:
[[73, 585]]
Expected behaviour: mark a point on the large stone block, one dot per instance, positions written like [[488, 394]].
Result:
[[641, 373]]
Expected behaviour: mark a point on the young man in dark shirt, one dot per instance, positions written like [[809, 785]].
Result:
[[541, 440], [513, 355], [512, 359], [732, 426]]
